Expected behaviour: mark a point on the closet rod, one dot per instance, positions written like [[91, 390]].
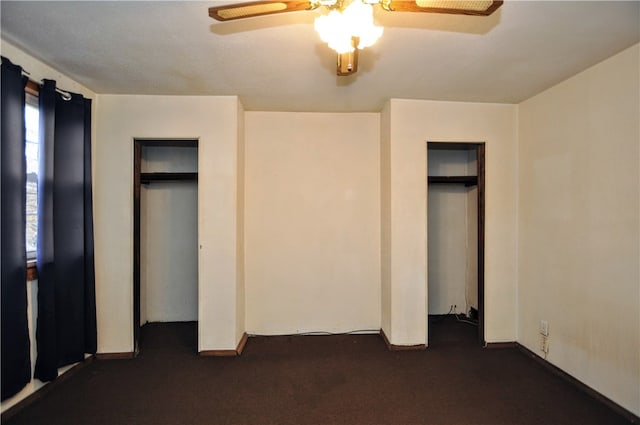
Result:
[[146, 178], [466, 180]]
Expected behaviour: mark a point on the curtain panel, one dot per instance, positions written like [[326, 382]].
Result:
[[66, 327], [16, 361]]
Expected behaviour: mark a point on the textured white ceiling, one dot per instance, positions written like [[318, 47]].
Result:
[[278, 62]]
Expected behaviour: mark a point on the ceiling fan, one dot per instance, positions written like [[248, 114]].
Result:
[[349, 26]]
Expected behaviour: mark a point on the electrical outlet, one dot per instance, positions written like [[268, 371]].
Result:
[[544, 328]]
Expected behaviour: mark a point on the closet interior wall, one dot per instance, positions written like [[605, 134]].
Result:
[[168, 236], [452, 220]]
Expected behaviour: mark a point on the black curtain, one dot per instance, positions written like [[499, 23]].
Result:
[[16, 361], [66, 327]]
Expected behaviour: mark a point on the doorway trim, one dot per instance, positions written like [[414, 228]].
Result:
[[138, 178], [479, 147]]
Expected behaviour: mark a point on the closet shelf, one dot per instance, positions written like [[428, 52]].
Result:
[[146, 178], [466, 180]]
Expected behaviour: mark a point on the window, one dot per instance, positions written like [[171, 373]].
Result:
[[32, 124]]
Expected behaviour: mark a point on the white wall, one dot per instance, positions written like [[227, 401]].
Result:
[[447, 247], [578, 223], [174, 159], [412, 124], [169, 252], [214, 122], [240, 234], [312, 222], [38, 71], [452, 162], [385, 219]]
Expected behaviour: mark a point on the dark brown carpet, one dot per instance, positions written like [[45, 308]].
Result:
[[345, 379]]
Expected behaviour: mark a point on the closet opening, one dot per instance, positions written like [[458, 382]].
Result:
[[455, 242], [165, 244]]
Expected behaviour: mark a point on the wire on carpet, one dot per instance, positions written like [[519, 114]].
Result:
[[324, 333]]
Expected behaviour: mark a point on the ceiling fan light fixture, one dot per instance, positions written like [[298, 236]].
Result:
[[258, 8], [338, 28], [472, 5], [349, 26], [332, 31], [251, 10], [348, 62]]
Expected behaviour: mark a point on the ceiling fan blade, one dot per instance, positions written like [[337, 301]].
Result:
[[256, 8], [459, 7]]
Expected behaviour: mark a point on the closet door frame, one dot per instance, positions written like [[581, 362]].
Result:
[[138, 145], [479, 148], [480, 157]]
